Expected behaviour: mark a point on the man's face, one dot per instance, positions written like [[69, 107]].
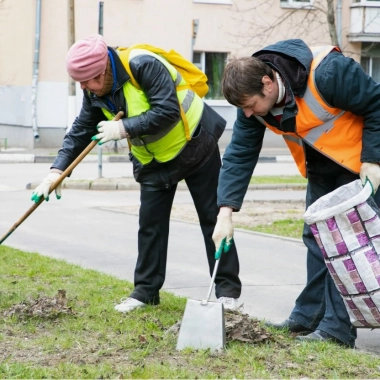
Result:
[[258, 105], [94, 85]]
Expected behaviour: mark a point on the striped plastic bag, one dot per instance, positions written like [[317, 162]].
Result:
[[346, 226]]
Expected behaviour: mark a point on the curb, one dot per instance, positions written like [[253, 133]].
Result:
[[131, 184], [36, 159]]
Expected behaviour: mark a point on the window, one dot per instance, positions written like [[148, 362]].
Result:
[[212, 64], [296, 3], [370, 59]]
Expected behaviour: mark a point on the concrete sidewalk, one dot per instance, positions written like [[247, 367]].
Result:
[[47, 155], [123, 179], [128, 183]]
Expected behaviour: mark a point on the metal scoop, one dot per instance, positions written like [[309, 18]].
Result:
[[203, 324]]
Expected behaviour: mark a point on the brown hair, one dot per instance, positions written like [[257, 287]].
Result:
[[242, 78]]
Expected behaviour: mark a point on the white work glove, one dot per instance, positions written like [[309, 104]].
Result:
[[110, 130], [43, 188], [370, 171], [223, 232]]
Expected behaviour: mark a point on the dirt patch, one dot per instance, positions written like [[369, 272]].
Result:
[[42, 307], [239, 327], [252, 214]]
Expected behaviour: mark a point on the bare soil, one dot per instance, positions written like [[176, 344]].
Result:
[[252, 214]]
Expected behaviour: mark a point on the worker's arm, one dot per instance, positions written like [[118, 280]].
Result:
[[239, 161], [159, 89]]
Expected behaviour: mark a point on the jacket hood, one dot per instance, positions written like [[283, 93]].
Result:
[[292, 59]]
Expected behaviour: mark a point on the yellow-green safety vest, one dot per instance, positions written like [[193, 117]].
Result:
[[169, 142]]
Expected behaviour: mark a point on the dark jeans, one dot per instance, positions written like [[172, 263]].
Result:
[[320, 306], [154, 233]]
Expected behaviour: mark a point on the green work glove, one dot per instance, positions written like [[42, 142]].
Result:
[[370, 171], [43, 188], [223, 234], [110, 130], [223, 248]]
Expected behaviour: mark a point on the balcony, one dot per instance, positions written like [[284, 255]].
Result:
[[365, 21]]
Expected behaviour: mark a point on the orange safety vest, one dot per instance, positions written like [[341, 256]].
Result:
[[333, 132]]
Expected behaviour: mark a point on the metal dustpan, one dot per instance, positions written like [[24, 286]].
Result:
[[202, 325]]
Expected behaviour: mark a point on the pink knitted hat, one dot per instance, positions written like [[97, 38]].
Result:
[[87, 58]]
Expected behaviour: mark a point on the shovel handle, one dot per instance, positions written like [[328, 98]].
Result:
[[212, 280], [54, 185]]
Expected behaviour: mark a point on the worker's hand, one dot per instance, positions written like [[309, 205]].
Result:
[[223, 232], [110, 130], [370, 171], [43, 188]]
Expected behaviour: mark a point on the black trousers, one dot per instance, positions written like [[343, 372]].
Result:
[[153, 235]]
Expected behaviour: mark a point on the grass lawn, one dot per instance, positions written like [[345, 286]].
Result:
[[44, 334], [286, 227], [288, 179]]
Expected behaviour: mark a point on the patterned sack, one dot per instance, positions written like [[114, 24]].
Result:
[[346, 226]]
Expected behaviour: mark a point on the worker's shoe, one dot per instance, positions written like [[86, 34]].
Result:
[[129, 304], [321, 336], [291, 325], [229, 303]]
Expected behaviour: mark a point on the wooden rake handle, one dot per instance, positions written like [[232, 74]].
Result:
[[90, 146]]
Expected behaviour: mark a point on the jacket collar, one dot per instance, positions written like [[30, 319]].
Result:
[[121, 74]]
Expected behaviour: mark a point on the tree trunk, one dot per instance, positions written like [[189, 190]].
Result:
[[331, 22]]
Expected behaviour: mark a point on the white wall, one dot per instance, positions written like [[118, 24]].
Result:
[[237, 28]]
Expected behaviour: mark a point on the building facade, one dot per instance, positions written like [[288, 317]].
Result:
[[38, 101]]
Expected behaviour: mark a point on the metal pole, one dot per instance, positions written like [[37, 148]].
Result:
[[71, 112], [115, 144], [100, 26], [194, 37], [100, 31], [36, 62]]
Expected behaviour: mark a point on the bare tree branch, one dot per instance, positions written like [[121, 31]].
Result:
[[261, 21]]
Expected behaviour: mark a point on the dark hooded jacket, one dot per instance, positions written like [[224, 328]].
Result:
[[341, 82], [158, 86]]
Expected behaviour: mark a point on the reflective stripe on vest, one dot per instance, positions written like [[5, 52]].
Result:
[[186, 103], [169, 142], [333, 132]]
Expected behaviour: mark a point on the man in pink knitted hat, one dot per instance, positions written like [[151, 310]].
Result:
[[161, 154]]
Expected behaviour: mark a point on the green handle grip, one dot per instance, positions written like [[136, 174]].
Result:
[[225, 246]]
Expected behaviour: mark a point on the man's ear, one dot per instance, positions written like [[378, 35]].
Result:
[[268, 83]]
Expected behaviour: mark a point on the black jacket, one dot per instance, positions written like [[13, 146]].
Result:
[[158, 86], [341, 82]]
